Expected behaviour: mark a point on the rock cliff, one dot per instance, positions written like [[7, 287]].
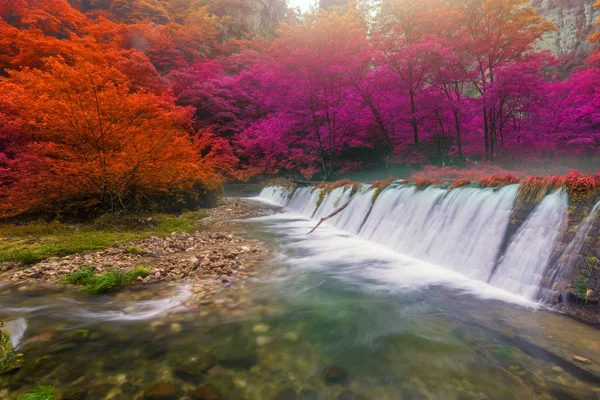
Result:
[[575, 20]]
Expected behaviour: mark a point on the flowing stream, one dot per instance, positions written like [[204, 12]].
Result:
[[339, 314]]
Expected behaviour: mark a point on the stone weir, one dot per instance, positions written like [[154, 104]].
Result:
[[545, 249]]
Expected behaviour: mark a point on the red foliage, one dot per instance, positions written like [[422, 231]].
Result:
[[580, 186], [459, 183], [498, 181], [422, 183]]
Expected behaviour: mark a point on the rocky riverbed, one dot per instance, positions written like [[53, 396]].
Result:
[[211, 257]]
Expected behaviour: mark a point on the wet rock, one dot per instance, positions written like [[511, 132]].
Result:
[[176, 327], [287, 393], [308, 394], [206, 391], [334, 374], [260, 328], [262, 340], [240, 353], [570, 392], [75, 394], [582, 360], [165, 390], [291, 336], [195, 367], [350, 395]]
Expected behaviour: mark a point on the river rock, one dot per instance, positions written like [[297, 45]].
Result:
[[260, 328], [334, 374], [206, 392], [75, 394], [308, 394], [350, 395], [291, 336], [196, 366], [161, 391], [287, 393], [582, 360], [176, 327], [262, 340]]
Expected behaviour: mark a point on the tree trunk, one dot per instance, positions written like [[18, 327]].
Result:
[[458, 137], [486, 138]]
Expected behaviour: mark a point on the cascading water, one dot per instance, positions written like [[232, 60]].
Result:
[[522, 268], [462, 230]]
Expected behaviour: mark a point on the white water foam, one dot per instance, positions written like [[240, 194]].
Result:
[[141, 310], [16, 328], [522, 268]]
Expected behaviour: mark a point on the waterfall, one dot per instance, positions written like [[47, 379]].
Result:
[[522, 267], [462, 229]]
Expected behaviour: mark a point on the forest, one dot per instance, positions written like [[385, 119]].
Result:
[[112, 104]]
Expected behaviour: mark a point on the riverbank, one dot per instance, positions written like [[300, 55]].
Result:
[[201, 252]]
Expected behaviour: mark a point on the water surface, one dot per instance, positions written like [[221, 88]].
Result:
[[332, 317]]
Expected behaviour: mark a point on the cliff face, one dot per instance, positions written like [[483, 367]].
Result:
[[575, 20]]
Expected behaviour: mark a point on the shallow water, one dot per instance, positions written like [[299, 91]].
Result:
[[334, 317]]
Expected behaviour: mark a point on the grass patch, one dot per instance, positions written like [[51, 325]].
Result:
[[40, 393], [81, 276], [34, 242], [103, 283]]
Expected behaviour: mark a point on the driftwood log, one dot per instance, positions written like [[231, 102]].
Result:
[[333, 214]]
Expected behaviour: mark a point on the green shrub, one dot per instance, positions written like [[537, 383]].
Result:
[[7, 352], [581, 285]]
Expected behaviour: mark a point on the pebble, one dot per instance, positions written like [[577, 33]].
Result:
[[176, 327], [291, 336], [262, 340], [582, 360], [260, 328], [240, 383]]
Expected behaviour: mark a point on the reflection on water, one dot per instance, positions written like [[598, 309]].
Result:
[[334, 318]]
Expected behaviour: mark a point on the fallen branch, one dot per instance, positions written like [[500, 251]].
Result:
[[333, 214]]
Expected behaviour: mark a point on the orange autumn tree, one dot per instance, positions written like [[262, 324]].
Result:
[[92, 142]]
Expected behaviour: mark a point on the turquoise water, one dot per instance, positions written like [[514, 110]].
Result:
[[331, 317]]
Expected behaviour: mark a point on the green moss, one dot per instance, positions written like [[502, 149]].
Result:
[[40, 393], [140, 271], [134, 250], [32, 243], [322, 194], [581, 285], [591, 262]]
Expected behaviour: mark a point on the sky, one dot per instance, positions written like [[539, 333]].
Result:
[[303, 4]]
